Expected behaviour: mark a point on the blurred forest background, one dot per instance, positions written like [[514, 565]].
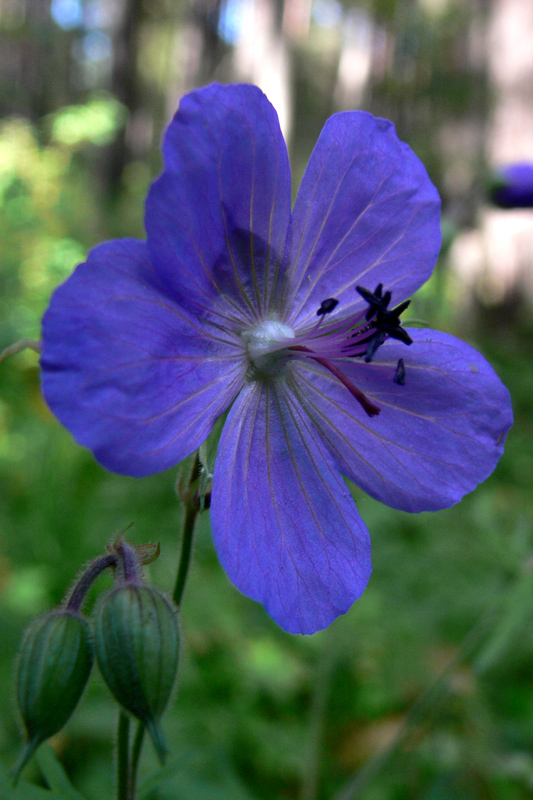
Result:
[[425, 688]]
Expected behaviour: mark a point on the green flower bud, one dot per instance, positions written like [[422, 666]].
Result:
[[55, 660], [137, 647]]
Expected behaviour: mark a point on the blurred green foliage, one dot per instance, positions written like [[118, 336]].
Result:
[[94, 122], [49, 206], [424, 689]]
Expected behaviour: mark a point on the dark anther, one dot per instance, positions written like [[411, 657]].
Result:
[[375, 341], [389, 323], [399, 375], [377, 301], [327, 306], [386, 323]]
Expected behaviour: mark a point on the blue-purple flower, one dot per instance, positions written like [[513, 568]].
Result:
[[512, 186], [291, 322]]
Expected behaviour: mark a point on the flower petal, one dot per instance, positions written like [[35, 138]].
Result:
[[126, 371], [436, 437], [284, 523], [366, 213], [217, 218]]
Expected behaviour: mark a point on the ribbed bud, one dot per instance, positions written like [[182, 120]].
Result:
[[55, 660], [137, 646]]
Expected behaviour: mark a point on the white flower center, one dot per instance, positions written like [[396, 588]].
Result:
[[265, 345]]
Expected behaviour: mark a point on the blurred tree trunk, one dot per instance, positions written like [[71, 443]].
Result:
[[202, 50], [263, 55], [35, 61], [126, 87]]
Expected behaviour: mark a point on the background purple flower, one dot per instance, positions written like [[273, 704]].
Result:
[[512, 186], [147, 344]]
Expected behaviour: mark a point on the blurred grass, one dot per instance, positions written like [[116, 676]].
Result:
[[260, 713]]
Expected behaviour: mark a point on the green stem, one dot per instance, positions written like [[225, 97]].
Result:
[[192, 507], [82, 586], [136, 755], [318, 712], [186, 549], [123, 761], [18, 347], [436, 694]]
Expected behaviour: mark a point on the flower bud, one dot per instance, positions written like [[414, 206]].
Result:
[[55, 660], [137, 646]]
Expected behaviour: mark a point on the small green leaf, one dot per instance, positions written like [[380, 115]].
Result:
[[208, 449], [172, 768], [22, 791], [55, 776]]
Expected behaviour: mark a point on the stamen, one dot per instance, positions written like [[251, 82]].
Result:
[[385, 322], [376, 341], [399, 375], [327, 306], [358, 335], [361, 398], [376, 301]]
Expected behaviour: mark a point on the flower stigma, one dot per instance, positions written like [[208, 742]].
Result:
[[266, 346]]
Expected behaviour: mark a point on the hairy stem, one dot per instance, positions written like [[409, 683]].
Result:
[[81, 587], [186, 549], [192, 507], [123, 761], [136, 755]]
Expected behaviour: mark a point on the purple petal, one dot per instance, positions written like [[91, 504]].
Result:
[[436, 437], [366, 213], [217, 218], [126, 371], [284, 523]]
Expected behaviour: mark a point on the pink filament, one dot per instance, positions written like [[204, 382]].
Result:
[[361, 398]]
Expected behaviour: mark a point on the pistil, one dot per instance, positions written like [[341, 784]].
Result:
[[361, 398]]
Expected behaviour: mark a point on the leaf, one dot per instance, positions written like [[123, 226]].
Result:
[[208, 450], [55, 776], [170, 770], [22, 791], [199, 775]]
